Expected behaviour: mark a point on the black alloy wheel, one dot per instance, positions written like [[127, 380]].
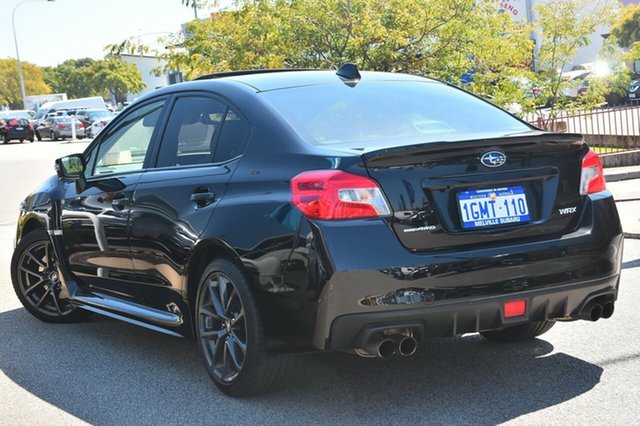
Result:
[[36, 280], [222, 327], [53, 136], [229, 333]]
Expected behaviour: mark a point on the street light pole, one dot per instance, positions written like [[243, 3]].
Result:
[[15, 39]]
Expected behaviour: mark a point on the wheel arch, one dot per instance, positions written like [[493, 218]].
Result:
[[204, 252], [27, 225]]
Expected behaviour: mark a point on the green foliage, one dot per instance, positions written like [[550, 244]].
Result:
[[626, 28], [80, 78], [34, 82], [117, 77], [444, 39], [73, 77], [565, 27]]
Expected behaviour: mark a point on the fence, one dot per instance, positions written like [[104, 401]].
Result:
[[609, 129]]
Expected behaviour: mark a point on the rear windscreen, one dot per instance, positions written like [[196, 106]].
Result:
[[391, 113]]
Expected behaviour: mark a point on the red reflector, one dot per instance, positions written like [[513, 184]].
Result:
[[515, 308]]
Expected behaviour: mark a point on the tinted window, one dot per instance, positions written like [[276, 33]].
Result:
[[387, 113], [233, 137], [125, 147], [191, 132]]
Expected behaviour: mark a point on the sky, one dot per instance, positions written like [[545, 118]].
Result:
[[51, 32]]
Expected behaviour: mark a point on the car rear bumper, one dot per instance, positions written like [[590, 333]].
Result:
[[67, 133], [446, 294], [26, 134], [468, 316]]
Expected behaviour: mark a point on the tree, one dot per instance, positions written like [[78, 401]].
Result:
[[117, 77], [565, 26], [626, 28], [72, 77], [445, 39], [34, 83], [88, 77]]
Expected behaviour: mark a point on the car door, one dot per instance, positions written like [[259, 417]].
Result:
[[95, 213], [174, 200], [45, 126]]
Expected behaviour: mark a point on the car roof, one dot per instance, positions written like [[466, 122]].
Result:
[[282, 79], [267, 80]]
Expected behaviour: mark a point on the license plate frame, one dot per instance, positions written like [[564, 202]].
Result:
[[501, 206]]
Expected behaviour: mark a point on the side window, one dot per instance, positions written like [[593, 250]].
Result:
[[191, 133], [233, 137], [125, 147]]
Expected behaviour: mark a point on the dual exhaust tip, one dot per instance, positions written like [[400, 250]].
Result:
[[388, 346], [593, 311]]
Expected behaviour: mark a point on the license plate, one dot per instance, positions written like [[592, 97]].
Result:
[[19, 128], [632, 95], [491, 207]]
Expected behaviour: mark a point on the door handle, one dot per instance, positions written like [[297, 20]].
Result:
[[120, 202], [203, 199]]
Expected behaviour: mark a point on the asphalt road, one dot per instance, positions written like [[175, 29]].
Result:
[[107, 372]]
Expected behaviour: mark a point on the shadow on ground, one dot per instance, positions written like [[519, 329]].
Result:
[[107, 372]]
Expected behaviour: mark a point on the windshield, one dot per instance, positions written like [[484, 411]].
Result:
[[388, 113]]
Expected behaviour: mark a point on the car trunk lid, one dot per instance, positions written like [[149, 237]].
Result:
[[429, 185]]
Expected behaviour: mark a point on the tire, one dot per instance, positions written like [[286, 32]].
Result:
[[38, 136], [33, 272], [218, 329], [519, 333], [5, 139], [53, 136], [21, 140]]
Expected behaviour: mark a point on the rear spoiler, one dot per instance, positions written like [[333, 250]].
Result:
[[427, 152]]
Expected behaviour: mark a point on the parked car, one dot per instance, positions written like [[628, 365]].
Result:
[[633, 93], [97, 126], [59, 127], [266, 213], [15, 128], [88, 116]]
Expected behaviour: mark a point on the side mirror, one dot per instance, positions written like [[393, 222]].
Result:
[[70, 167]]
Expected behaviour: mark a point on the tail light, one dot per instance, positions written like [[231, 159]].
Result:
[[30, 126], [592, 177], [80, 126], [13, 122], [61, 126], [335, 195]]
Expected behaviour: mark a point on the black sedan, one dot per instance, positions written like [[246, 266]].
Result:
[[15, 128], [267, 213]]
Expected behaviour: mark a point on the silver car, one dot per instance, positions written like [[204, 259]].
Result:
[[60, 128]]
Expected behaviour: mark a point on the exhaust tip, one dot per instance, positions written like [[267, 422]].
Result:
[[596, 312], [607, 309], [387, 348], [408, 346]]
